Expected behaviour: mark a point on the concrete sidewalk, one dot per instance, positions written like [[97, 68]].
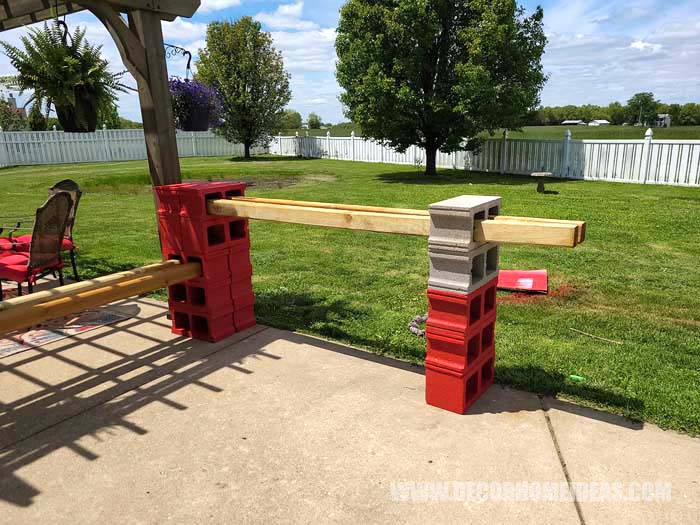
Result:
[[129, 423]]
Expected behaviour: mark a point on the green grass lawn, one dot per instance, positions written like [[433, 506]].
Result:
[[635, 280], [557, 132]]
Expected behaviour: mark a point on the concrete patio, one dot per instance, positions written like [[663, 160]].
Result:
[[130, 423]]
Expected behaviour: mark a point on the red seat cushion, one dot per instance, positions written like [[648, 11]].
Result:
[[24, 241], [5, 244], [13, 267]]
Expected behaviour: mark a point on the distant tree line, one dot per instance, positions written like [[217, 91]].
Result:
[[642, 108]]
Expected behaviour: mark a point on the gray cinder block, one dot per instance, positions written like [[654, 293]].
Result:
[[456, 269], [452, 220]]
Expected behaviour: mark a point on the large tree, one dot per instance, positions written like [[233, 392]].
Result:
[[642, 108], [290, 119], [248, 73], [434, 72], [314, 121]]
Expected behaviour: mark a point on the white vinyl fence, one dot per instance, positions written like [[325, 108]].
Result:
[[673, 162], [55, 147]]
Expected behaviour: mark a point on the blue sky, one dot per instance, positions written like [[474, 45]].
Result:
[[599, 51]]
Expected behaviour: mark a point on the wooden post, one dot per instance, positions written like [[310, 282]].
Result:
[[156, 107], [328, 144]]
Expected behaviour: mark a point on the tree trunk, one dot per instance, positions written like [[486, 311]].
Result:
[[246, 148], [431, 160]]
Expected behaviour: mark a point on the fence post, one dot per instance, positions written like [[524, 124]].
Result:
[[194, 143], [6, 154], [328, 144], [105, 150], [646, 155], [352, 144], [504, 145], [564, 172]]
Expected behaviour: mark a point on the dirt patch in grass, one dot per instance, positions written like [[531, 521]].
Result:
[[286, 182]]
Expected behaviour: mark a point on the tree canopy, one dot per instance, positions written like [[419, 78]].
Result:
[[434, 72], [290, 119], [248, 73], [642, 108], [314, 121]]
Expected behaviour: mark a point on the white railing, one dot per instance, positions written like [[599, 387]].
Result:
[[57, 147], [673, 162]]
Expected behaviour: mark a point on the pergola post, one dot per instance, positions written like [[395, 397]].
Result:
[[156, 106]]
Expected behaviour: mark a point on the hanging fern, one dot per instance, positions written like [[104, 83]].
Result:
[[66, 70]]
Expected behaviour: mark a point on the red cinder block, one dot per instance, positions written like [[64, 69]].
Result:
[[244, 311], [201, 237], [194, 195], [451, 390], [459, 312], [487, 372], [454, 350], [241, 287], [212, 329], [215, 268], [202, 297], [168, 200], [240, 265], [170, 234]]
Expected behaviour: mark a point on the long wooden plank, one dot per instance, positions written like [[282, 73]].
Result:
[[335, 206], [351, 219], [23, 312], [523, 232], [581, 225], [387, 220]]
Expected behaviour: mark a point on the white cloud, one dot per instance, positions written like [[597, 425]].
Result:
[[182, 30], [643, 46], [286, 16], [209, 6]]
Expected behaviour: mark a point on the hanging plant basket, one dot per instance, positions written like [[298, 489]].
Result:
[[197, 120], [194, 104]]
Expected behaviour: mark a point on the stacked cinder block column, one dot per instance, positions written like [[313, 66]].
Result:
[[459, 365], [220, 302]]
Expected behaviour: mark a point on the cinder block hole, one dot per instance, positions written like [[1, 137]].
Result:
[[493, 211], [198, 296], [480, 215], [212, 196], [478, 264], [472, 349], [178, 293], [200, 325], [487, 336], [216, 234], [472, 387], [181, 321], [173, 257], [492, 260], [236, 230], [475, 309], [490, 299], [487, 372], [234, 193]]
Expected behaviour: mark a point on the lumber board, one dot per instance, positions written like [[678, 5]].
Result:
[[345, 218], [514, 230], [30, 310], [526, 232], [581, 225]]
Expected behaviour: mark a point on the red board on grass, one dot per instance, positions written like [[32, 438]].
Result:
[[524, 280]]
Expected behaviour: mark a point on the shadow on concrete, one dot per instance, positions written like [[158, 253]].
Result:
[[25, 421]]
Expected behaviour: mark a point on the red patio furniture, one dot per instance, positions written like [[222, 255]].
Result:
[[44, 255], [22, 243]]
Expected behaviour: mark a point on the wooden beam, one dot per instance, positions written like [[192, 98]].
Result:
[[156, 106], [545, 232], [581, 225], [132, 52], [351, 219], [30, 310]]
